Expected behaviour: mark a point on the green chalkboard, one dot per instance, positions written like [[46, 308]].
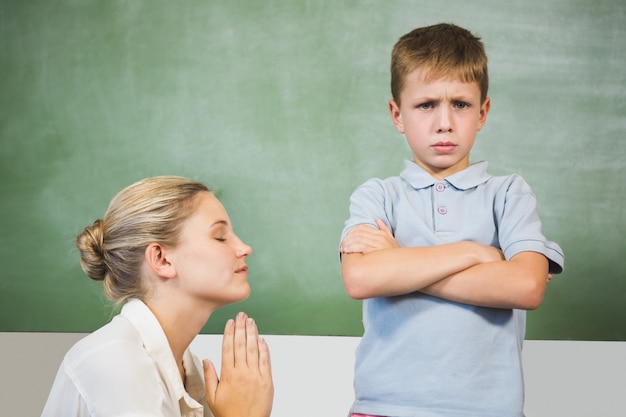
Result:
[[281, 106]]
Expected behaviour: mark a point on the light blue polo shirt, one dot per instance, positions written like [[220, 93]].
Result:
[[425, 356]]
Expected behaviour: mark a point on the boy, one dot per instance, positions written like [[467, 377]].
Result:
[[446, 257]]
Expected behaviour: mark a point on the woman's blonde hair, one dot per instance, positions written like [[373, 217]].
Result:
[[441, 51], [150, 210]]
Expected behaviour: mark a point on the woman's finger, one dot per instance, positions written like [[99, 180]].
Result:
[[252, 343], [240, 344], [228, 345], [265, 363]]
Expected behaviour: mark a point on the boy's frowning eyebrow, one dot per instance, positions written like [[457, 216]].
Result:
[[452, 98]]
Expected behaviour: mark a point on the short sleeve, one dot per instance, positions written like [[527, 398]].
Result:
[[519, 227], [367, 203]]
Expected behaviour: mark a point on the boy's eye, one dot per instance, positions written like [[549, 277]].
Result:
[[461, 105], [220, 239], [425, 106]]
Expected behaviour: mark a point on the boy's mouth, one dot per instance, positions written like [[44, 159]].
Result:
[[444, 147]]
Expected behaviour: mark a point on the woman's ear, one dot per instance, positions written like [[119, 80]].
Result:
[[394, 110], [157, 261]]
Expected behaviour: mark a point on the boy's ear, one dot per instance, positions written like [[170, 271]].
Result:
[[157, 261], [394, 110], [484, 110]]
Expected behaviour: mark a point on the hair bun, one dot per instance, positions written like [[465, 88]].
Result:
[[90, 245]]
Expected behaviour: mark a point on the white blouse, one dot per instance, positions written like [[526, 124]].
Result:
[[126, 368]]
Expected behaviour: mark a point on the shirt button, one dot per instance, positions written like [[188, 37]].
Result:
[[442, 210], [440, 187]]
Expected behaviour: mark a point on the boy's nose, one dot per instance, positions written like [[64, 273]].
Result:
[[445, 124]]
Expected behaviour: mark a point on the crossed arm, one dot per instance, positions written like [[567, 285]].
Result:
[[373, 265]]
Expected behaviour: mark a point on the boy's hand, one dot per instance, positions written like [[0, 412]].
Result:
[[488, 253], [245, 387], [365, 239]]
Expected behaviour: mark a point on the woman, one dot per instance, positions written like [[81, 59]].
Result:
[[166, 251]]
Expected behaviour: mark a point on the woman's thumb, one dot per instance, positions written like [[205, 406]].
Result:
[[210, 379]]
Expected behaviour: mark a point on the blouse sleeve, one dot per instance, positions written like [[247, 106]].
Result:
[[114, 380], [64, 398]]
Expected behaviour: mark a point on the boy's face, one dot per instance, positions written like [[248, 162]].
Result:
[[440, 119]]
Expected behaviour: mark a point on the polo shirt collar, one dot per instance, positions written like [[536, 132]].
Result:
[[470, 177]]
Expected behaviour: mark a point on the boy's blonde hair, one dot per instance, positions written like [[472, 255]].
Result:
[[151, 210], [441, 51]]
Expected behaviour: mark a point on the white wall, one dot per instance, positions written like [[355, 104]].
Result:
[[313, 375]]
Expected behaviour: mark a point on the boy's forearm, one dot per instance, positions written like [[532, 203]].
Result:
[[518, 283], [390, 272]]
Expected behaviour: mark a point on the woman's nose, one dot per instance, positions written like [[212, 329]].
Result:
[[243, 249]]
